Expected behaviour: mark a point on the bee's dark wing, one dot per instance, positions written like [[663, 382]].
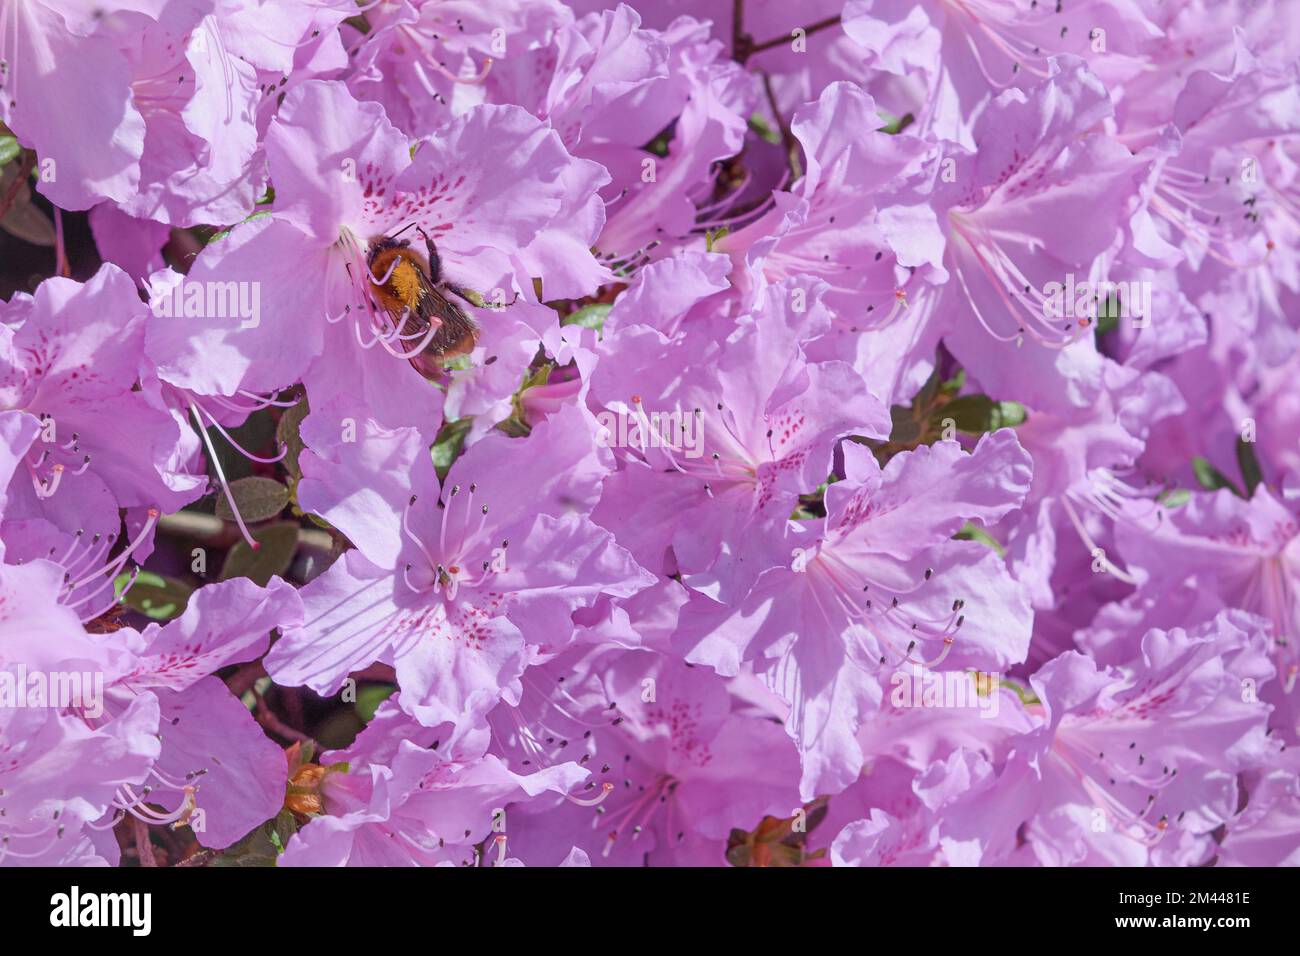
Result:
[[456, 333]]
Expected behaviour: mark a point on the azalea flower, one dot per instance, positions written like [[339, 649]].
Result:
[[453, 584], [720, 456], [672, 767], [344, 178], [73, 355], [874, 443], [877, 581]]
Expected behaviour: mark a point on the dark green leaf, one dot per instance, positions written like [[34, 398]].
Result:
[[257, 434], [1249, 465], [1211, 478], [659, 145], [972, 414], [262, 846], [370, 697], [257, 499], [978, 414], [448, 446], [905, 428], [277, 544], [286, 434], [154, 595]]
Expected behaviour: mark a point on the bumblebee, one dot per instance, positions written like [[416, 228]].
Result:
[[414, 294]]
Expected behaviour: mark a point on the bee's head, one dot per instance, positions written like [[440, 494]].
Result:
[[380, 243]]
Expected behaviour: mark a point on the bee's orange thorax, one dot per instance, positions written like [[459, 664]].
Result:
[[402, 290]]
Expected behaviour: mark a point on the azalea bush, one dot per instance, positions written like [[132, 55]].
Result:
[[727, 432]]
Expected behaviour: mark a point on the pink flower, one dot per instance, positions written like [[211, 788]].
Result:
[[458, 583], [877, 581], [673, 765], [345, 177], [71, 360]]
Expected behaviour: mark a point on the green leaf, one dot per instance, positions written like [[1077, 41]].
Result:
[[1249, 465], [590, 316], [973, 532], [26, 221], [262, 846], [895, 125], [358, 23], [449, 444], [659, 145], [218, 236], [972, 414], [1027, 696], [257, 433], [905, 428], [319, 521], [370, 697], [1108, 314], [1175, 497], [929, 391], [258, 499], [23, 219], [1009, 415], [277, 544], [154, 595], [536, 378], [1211, 478], [286, 434], [9, 148], [282, 828], [759, 125], [978, 414]]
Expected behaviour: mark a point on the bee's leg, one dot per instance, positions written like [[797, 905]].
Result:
[[473, 298], [435, 261], [435, 275], [476, 299]]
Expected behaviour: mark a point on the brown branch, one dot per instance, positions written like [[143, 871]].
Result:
[[212, 531], [242, 680], [267, 718], [61, 266], [777, 41], [742, 44], [787, 137]]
